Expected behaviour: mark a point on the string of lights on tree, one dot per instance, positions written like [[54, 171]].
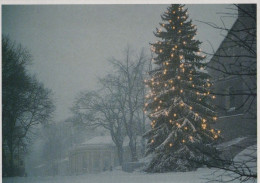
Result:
[[179, 100]]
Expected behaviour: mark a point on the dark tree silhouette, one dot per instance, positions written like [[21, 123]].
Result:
[[26, 103]]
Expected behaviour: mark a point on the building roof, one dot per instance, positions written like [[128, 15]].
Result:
[[104, 141], [99, 140]]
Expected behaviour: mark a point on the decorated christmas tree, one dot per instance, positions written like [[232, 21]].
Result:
[[179, 101]]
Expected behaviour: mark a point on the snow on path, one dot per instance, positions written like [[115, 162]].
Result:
[[122, 177]]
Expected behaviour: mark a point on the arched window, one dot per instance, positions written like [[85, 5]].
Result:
[[230, 99]]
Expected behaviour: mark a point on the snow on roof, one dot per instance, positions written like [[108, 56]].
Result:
[[102, 140], [107, 140], [230, 143]]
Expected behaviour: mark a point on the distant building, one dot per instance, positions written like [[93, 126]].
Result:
[[96, 155], [236, 111]]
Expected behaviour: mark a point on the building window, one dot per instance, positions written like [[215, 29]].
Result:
[[230, 99]]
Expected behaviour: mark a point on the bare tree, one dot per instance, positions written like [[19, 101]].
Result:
[[130, 73], [26, 103], [95, 110], [241, 167], [235, 63], [118, 105], [236, 58]]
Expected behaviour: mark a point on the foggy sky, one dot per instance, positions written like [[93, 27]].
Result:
[[70, 44]]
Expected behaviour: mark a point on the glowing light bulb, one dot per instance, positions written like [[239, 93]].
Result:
[[173, 27], [215, 118], [170, 144], [215, 136], [218, 131], [152, 141], [146, 104], [172, 55], [160, 50], [190, 108], [204, 120], [176, 46], [190, 78], [164, 72], [170, 21], [160, 101], [203, 126], [179, 77], [183, 141], [213, 96], [181, 57], [173, 88], [178, 17], [193, 85], [179, 31], [174, 115], [185, 128], [155, 98], [181, 23], [196, 114], [181, 91]]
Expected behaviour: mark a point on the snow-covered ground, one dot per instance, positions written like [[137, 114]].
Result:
[[198, 176], [118, 176]]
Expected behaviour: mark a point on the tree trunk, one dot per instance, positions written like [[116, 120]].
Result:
[[5, 163], [11, 172], [132, 146], [120, 154]]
